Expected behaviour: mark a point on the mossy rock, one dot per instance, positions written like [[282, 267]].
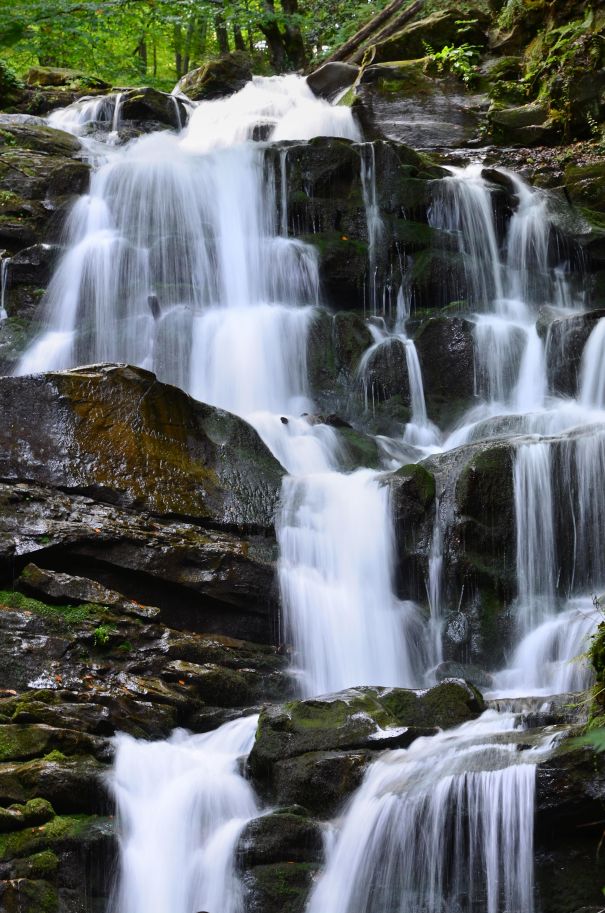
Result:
[[358, 718], [526, 125], [282, 836], [59, 834], [132, 440], [217, 78], [23, 741], [322, 781], [279, 888], [34, 813], [24, 895], [60, 76], [413, 493]]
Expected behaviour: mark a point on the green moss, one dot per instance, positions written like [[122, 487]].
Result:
[[422, 480], [67, 613], [60, 829], [40, 865], [55, 755]]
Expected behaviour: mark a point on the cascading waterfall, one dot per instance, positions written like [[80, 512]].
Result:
[[336, 583], [181, 806], [430, 827], [592, 370], [179, 260], [536, 551]]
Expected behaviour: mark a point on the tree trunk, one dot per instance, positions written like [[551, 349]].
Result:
[[293, 40], [351, 47], [178, 49], [222, 35], [273, 36], [238, 38]]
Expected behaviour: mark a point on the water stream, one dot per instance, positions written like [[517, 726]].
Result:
[[179, 259]]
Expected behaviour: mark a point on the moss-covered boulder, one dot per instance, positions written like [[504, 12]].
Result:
[[54, 586], [150, 109], [282, 887], [287, 835], [217, 78], [525, 125], [359, 718], [321, 781], [446, 351], [117, 432], [61, 76]]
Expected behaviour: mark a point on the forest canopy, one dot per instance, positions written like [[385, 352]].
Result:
[[157, 41]]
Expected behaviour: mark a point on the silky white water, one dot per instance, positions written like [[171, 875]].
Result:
[[443, 825], [181, 805]]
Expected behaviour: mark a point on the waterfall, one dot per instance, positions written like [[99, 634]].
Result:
[[4, 263], [536, 550], [592, 369], [441, 826], [181, 805], [179, 260], [465, 209], [374, 224], [336, 542]]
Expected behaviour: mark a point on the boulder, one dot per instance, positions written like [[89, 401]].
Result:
[[401, 101], [286, 835], [116, 433], [65, 588], [446, 351], [321, 781], [203, 579], [149, 108], [331, 79], [361, 718], [58, 76], [217, 78], [524, 125]]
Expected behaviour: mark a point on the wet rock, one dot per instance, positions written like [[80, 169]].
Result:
[[67, 588], [150, 108], [570, 789], [31, 814], [336, 344], [278, 888], [139, 443], [566, 338], [217, 78], [283, 836], [385, 372], [446, 351], [321, 781], [525, 125], [39, 173], [331, 79], [401, 101], [72, 786], [473, 674], [360, 718], [202, 579]]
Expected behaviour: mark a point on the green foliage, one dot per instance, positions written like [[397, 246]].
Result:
[[510, 14], [102, 635], [131, 42], [460, 60]]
